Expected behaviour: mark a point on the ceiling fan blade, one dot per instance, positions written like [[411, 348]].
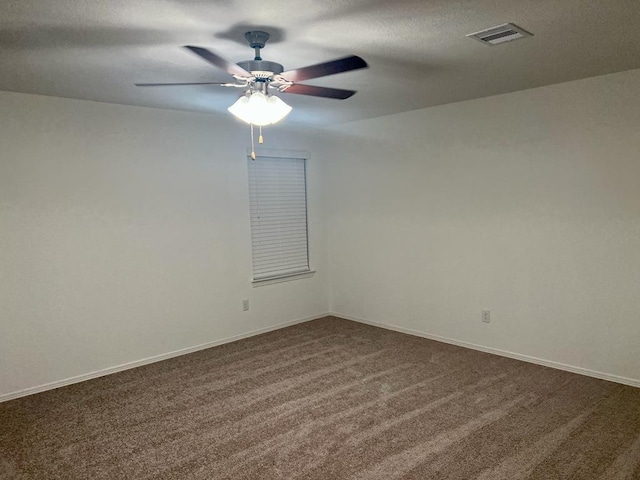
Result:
[[177, 84], [227, 66], [328, 68], [319, 91]]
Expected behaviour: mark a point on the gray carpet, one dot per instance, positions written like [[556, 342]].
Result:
[[327, 399]]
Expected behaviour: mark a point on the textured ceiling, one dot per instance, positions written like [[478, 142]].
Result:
[[417, 49]]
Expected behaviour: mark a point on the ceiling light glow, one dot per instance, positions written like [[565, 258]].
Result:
[[259, 109]]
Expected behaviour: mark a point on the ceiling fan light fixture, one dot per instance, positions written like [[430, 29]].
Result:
[[259, 109], [279, 108]]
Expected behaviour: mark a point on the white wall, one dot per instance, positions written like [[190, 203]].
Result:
[[526, 204], [125, 234], [124, 231]]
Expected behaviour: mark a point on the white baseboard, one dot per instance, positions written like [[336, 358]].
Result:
[[158, 358], [145, 361], [525, 358]]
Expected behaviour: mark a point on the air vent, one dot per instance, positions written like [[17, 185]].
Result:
[[500, 34]]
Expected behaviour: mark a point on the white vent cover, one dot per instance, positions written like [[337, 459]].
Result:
[[500, 34]]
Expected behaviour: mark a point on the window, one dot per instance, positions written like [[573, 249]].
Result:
[[278, 204]]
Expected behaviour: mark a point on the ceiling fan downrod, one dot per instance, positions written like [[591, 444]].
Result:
[[257, 40], [262, 70]]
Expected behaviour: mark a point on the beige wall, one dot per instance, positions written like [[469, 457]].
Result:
[[526, 204], [125, 235]]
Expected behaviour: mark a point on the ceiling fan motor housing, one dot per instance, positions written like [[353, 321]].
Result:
[[262, 68]]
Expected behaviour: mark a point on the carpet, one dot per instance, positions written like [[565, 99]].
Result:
[[327, 399]]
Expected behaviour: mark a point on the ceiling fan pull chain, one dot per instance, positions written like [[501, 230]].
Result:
[[260, 139], [253, 149]]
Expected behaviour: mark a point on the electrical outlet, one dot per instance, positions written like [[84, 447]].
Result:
[[245, 305], [486, 316]]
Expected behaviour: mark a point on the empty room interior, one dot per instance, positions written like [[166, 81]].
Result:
[[320, 240]]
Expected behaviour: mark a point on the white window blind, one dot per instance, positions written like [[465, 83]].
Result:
[[278, 201]]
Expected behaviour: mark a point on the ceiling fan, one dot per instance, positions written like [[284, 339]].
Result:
[[263, 75], [259, 77]]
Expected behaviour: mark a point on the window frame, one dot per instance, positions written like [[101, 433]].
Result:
[[286, 154]]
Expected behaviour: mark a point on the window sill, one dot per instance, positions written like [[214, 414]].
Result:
[[283, 278]]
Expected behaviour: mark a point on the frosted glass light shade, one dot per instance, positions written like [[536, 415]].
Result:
[[259, 109], [279, 109]]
